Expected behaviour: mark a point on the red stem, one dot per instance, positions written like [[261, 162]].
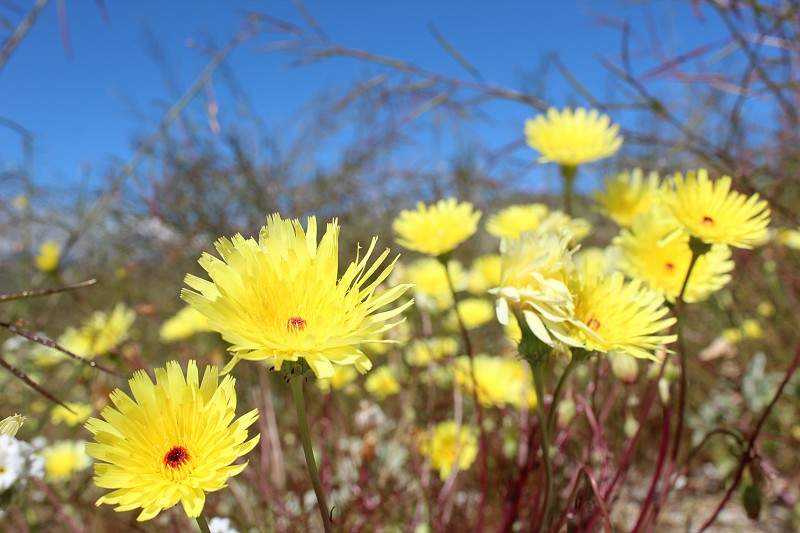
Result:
[[662, 457]]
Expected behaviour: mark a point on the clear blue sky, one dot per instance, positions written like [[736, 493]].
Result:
[[77, 106]]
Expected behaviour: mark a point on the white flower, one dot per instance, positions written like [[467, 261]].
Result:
[[221, 525], [17, 462]]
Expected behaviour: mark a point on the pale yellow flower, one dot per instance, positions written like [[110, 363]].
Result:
[[474, 312], [101, 333], [624, 366], [751, 329], [484, 274], [789, 237], [49, 255], [382, 383], [436, 229], [20, 201], [61, 415], [422, 352], [11, 424], [430, 282], [572, 138], [183, 325], [627, 194], [450, 446], [342, 376], [63, 459], [513, 220], [499, 381]]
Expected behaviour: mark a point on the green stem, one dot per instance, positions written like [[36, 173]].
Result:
[[568, 173], [572, 365], [538, 383], [299, 403], [202, 524]]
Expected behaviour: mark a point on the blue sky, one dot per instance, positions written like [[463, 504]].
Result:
[[78, 106]]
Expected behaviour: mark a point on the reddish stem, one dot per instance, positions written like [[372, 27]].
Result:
[[662, 457]]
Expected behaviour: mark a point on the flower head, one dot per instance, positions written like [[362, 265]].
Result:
[[614, 315], [382, 383], [17, 462], [450, 446], [174, 441], [627, 194], [101, 333], [661, 263], [429, 277], [49, 255], [80, 412], [281, 298], [474, 313], [514, 219], [436, 229], [484, 274], [572, 138], [424, 351], [63, 459], [712, 212], [499, 381], [183, 325], [341, 378]]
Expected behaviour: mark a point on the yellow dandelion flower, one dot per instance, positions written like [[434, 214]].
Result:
[[100, 334], [173, 442], [627, 194], [63, 459], [20, 201], [751, 329], [618, 316], [789, 237], [765, 309], [183, 325], [661, 263], [535, 272], [436, 229], [712, 212], [48, 257], [422, 352], [499, 381], [474, 312], [281, 298], [513, 220], [61, 415], [604, 258], [573, 138], [11, 424], [429, 278], [732, 335], [341, 378], [559, 221], [484, 274], [382, 383], [450, 446]]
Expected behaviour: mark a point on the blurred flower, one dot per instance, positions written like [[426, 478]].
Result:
[[61, 415], [625, 367], [11, 424], [64, 458], [175, 442], [282, 299], [100, 333], [618, 316], [17, 462], [661, 263], [450, 446], [422, 352], [221, 525], [20, 201], [436, 229], [627, 194], [484, 274], [572, 138], [49, 254], [499, 381], [713, 213], [382, 383], [513, 220], [789, 238], [732, 335], [605, 259], [183, 325], [765, 309], [558, 221], [751, 329], [430, 282], [342, 376], [534, 278], [474, 312]]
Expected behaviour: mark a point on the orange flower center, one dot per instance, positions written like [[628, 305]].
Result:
[[594, 324], [176, 457], [708, 221], [669, 266], [296, 323]]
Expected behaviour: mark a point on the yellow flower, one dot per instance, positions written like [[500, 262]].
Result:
[[49, 254], [64, 458], [713, 213], [484, 274], [281, 298], [11, 424], [513, 220], [765, 309], [436, 229], [429, 278], [342, 376], [382, 383], [60, 414], [475, 312], [628, 194], [535, 272], [615, 315], [732, 335], [751, 329], [572, 139], [424, 351], [183, 325], [558, 221], [20, 201], [100, 333], [450, 446], [789, 238], [661, 263], [499, 381], [174, 442]]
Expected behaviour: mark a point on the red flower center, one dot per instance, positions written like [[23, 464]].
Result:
[[708, 221], [594, 324], [296, 323], [669, 266], [176, 457]]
